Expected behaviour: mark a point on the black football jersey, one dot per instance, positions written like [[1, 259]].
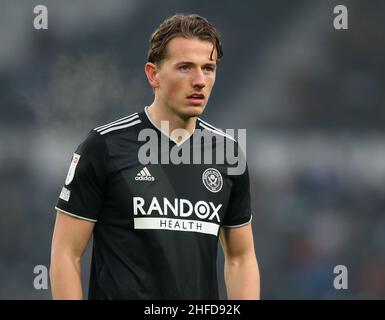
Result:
[[156, 222]]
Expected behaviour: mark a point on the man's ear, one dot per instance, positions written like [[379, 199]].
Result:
[[151, 71]]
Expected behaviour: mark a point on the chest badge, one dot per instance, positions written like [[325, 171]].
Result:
[[212, 180]]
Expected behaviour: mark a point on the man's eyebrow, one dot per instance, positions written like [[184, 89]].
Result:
[[211, 64], [185, 62]]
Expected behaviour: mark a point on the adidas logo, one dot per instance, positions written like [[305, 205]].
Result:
[[144, 175]]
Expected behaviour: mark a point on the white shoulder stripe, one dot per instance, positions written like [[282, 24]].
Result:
[[221, 133], [125, 119], [209, 125], [120, 127], [75, 215]]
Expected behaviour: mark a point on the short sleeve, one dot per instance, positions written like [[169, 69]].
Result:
[[82, 193], [238, 212]]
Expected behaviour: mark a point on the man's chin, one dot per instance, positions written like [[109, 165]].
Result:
[[192, 111]]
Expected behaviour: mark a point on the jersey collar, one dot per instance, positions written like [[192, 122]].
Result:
[[147, 116]]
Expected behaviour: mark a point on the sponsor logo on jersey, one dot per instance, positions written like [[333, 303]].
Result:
[[71, 170], [144, 175], [201, 216], [212, 180], [179, 208]]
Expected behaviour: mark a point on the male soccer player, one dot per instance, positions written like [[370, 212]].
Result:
[[156, 226]]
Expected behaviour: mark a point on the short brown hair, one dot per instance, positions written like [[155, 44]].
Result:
[[187, 26]]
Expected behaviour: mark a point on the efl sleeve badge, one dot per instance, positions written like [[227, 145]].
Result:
[[71, 170]]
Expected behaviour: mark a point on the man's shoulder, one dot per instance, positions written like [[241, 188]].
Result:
[[96, 139]]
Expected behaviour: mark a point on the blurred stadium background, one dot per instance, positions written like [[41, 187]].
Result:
[[311, 98]]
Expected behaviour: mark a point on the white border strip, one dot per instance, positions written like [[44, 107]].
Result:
[[177, 225], [239, 225], [75, 215]]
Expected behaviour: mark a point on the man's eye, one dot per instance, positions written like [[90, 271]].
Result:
[[184, 68], [210, 69]]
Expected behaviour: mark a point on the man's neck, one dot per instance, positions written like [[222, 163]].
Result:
[[157, 113]]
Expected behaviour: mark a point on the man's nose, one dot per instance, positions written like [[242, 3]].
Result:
[[199, 79]]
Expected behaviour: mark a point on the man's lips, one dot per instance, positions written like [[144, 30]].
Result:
[[196, 96], [195, 101]]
